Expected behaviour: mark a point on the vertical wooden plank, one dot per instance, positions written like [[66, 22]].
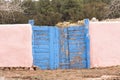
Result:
[[68, 49], [63, 55], [52, 56], [57, 47], [87, 39]]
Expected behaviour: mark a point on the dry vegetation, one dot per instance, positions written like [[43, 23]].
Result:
[[8, 9]]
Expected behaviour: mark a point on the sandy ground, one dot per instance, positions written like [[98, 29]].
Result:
[[109, 73]]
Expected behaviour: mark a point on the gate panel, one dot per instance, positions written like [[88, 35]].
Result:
[[74, 47], [77, 47], [41, 47], [46, 47]]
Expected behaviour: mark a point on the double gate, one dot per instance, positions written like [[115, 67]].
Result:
[[64, 48]]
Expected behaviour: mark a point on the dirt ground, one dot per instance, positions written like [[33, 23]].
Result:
[[109, 73]]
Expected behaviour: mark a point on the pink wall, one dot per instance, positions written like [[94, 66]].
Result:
[[16, 45], [104, 44]]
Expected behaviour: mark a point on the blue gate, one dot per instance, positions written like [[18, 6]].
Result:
[[63, 48], [45, 47]]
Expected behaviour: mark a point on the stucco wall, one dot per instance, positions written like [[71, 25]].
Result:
[[104, 44], [16, 45]]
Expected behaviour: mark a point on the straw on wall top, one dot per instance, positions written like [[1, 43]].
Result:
[[68, 24]]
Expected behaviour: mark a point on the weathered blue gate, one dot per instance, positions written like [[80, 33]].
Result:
[[45, 47], [63, 48], [74, 47]]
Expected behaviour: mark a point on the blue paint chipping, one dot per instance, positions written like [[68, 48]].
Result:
[[41, 47], [64, 48]]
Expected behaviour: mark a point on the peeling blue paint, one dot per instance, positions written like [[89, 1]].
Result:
[[65, 48]]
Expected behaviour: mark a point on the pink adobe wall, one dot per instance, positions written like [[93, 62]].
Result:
[[104, 44], [16, 45]]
